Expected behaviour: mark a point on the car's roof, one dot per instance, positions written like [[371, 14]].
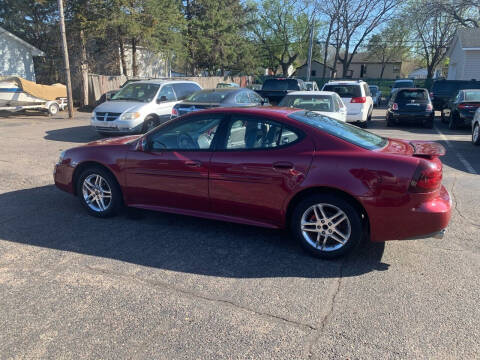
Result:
[[164, 81], [257, 110], [311, 93], [345, 82]]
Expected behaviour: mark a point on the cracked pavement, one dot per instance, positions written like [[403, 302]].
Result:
[[152, 285]]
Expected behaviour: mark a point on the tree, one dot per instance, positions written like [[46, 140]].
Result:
[[465, 12], [356, 21], [390, 44], [432, 31], [281, 28], [330, 11]]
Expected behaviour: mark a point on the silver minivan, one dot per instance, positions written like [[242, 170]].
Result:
[[140, 106]]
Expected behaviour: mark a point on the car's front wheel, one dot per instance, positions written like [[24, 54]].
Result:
[[99, 192], [327, 226], [476, 134]]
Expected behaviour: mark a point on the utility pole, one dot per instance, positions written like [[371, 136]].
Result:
[[310, 50], [65, 59]]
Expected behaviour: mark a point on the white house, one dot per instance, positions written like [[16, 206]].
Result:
[[464, 53], [16, 56], [149, 64]]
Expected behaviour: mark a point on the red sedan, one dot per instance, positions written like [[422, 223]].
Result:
[[331, 183]]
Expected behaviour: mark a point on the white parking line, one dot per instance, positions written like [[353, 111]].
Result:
[[460, 157]]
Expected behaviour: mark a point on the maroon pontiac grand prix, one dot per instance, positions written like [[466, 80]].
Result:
[[329, 182]]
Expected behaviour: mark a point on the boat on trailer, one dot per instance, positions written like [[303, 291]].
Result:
[[17, 94]]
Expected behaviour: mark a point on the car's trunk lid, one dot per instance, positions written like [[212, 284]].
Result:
[[417, 148], [185, 107]]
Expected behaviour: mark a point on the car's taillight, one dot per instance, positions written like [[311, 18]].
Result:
[[468, 106], [174, 112], [395, 106], [359, 100], [429, 107], [427, 176]]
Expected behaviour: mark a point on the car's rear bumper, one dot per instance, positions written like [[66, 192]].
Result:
[[418, 216], [412, 117]]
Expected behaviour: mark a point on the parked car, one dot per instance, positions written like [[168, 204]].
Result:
[[356, 96], [223, 97], [460, 110], [476, 128], [329, 182], [227, 85], [401, 84], [411, 106], [311, 86], [443, 91], [275, 89], [109, 94], [140, 106], [376, 94], [322, 102]]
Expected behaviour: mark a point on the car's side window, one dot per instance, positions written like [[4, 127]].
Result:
[[336, 104], [167, 91], [183, 90], [254, 98], [252, 133], [190, 134]]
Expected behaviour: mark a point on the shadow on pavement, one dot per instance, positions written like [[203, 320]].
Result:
[[48, 218], [78, 134]]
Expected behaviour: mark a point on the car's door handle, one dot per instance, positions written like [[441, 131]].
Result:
[[283, 165], [193, 163]]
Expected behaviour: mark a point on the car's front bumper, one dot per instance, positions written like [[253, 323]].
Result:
[[117, 127]]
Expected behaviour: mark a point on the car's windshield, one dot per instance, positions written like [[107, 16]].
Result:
[[373, 90], [345, 91], [403, 84], [340, 129], [208, 96], [137, 92], [280, 84], [472, 95], [308, 102]]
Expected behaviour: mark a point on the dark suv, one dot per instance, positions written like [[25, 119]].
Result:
[[443, 91]]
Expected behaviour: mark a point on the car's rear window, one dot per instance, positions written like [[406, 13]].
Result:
[[407, 95], [472, 95], [345, 91], [309, 102], [402, 84], [279, 85], [208, 96], [340, 129]]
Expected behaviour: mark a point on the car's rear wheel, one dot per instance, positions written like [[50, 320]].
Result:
[[390, 122], [99, 192], [327, 226], [453, 121], [443, 117], [476, 134]]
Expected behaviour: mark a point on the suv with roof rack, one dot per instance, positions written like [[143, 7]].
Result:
[[356, 96]]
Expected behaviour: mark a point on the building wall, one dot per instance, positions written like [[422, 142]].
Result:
[[472, 65], [149, 64], [373, 70], [457, 63], [317, 70], [15, 59]]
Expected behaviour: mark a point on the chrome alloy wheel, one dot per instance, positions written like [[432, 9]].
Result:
[[325, 227], [97, 193]]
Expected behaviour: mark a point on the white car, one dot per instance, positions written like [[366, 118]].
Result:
[[311, 85], [356, 96], [323, 102], [140, 106]]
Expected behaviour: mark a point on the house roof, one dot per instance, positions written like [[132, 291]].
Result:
[[469, 38], [315, 61], [366, 58], [33, 49]]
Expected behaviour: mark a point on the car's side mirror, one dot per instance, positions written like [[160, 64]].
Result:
[[161, 99]]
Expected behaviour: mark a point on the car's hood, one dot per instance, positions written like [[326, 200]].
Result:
[[119, 106], [115, 141]]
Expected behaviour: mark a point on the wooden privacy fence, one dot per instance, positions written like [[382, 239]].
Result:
[[100, 84]]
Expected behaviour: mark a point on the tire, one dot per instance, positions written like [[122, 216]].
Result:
[[369, 117], [476, 134], [453, 122], [328, 245], [149, 123], [53, 108], [443, 117], [428, 124], [389, 122], [87, 185]]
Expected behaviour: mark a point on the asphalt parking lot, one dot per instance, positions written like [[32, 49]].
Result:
[[164, 286]]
